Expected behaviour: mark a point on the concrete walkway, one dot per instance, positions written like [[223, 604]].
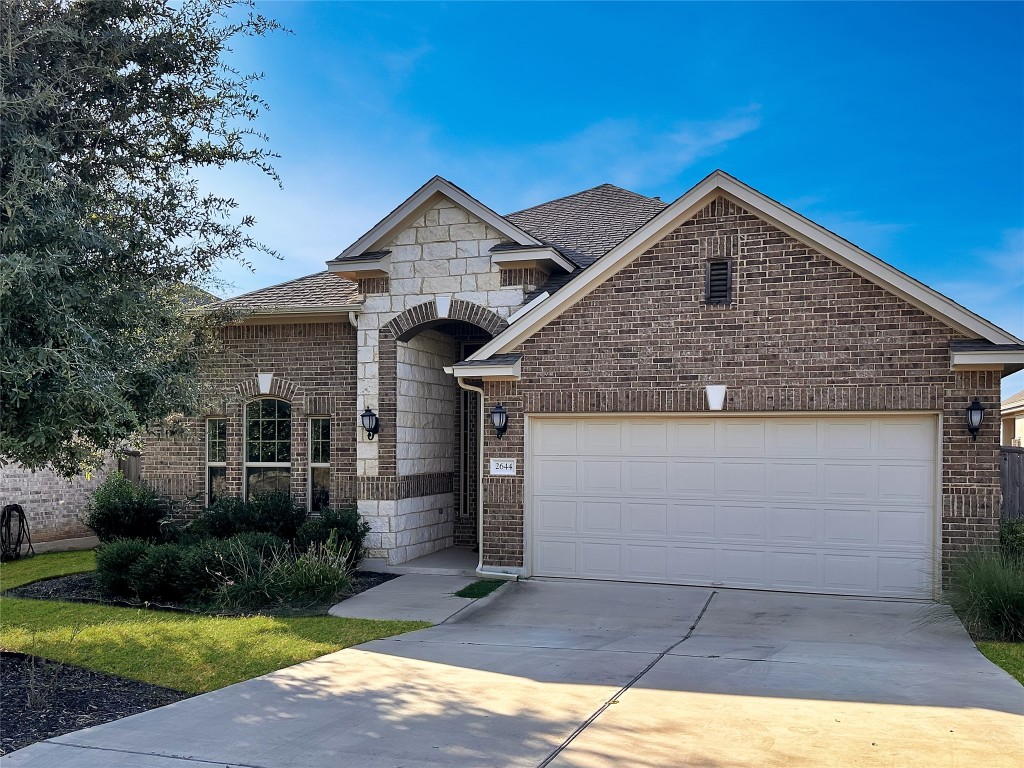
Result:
[[596, 675], [413, 597]]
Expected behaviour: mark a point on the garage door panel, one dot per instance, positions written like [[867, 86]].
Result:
[[692, 564], [906, 481], [745, 478], [795, 570], [554, 437], [554, 516], [793, 479], [741, 567], [600, 478], [849, 480], [598, 438], [903, 528], [792, 525], [735, 522], [599, 517], [647, 478], [849, 526], [646, 519], [556, 476], [645, 561], [691, 520], [822, 504], [692, 477], [692, 437]]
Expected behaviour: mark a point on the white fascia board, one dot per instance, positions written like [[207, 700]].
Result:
[[363, 268], [803, 229], [420, 200], [508, 256], [487, 372], [1008, 361]]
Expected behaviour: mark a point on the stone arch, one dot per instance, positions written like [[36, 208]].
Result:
[[415, 319], [280, 388]]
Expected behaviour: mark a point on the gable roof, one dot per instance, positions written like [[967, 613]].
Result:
[[586, 225], [717, 184], [319, 292], [415, 205]]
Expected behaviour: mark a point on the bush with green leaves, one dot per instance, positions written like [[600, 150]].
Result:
[[351, 530], [114, 563], [1011, 538], [273, 513], [120, 509], [987, 592], [158, 575]]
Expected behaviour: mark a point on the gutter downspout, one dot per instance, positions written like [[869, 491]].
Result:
[[480, 485]]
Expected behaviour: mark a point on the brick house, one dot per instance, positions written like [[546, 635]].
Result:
[[605, 325]]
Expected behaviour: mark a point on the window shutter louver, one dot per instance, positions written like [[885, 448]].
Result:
[[719, 282]]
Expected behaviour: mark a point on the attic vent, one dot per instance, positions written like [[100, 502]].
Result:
[[719, 282]]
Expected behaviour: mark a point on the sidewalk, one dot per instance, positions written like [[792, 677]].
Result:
[[413, 597]]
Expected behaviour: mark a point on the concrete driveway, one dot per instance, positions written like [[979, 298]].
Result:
[[603, 674]]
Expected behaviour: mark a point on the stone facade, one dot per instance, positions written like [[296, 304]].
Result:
[[802, 334]]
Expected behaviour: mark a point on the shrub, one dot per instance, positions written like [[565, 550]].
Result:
[[271, 513], [1011, 538], [987, 591], [351, 530], [120, 509], [114, 562], [159, 574], [319, 574]]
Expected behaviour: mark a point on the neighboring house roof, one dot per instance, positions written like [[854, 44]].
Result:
[[588, 224], [718, 184], [319, 292], [1012, 404]]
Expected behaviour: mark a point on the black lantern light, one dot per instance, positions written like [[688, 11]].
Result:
[[975, 415], [499, 418], [370, 423]]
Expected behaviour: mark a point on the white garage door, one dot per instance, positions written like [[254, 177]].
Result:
[[834, 505]]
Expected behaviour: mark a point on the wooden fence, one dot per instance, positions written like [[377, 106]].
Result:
[[1011, 478]]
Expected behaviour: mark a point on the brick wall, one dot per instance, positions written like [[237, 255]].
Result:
[[52, 504], [314, 366], [801, 334]]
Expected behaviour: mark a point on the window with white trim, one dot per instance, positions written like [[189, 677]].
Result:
[[268, 446], [319, 464], [216, 459]]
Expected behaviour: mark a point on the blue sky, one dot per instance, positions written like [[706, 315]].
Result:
[[898, 126]]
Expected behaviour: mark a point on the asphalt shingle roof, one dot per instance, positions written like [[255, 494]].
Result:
[[1013, 402], [588, 224], [322, 289]]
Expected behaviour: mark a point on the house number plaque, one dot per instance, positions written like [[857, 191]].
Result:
[[506, 467]]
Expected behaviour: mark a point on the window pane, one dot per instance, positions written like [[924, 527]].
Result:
[[284, 430], [267, 452], [268, 409], [260, 480], [217, 483], [284, 452], [320, 489], [320, 441], [216, 440]]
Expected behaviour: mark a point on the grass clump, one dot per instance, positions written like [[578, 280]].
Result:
[[987, 592], [480, 588]]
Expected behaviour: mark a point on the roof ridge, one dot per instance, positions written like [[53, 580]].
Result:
[[581, 192]]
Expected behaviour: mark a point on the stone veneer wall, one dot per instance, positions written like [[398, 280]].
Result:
[[52, 504], [802, 334], [425, 404], [314, 369]]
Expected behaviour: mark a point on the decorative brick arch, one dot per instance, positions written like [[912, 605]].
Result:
[[281, 388], [425, 315]]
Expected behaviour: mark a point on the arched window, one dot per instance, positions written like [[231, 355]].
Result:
[[268, 446]]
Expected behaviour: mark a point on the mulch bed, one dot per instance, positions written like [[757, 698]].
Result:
[[83, 588], [40, 699]]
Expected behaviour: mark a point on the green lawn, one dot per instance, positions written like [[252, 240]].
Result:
[[1009, 656], [184, 652], [480, 588]]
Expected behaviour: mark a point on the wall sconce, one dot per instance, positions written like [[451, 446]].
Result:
[[499, 418], [370, 423], [716, 396], [975, 415], [264, 380]]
